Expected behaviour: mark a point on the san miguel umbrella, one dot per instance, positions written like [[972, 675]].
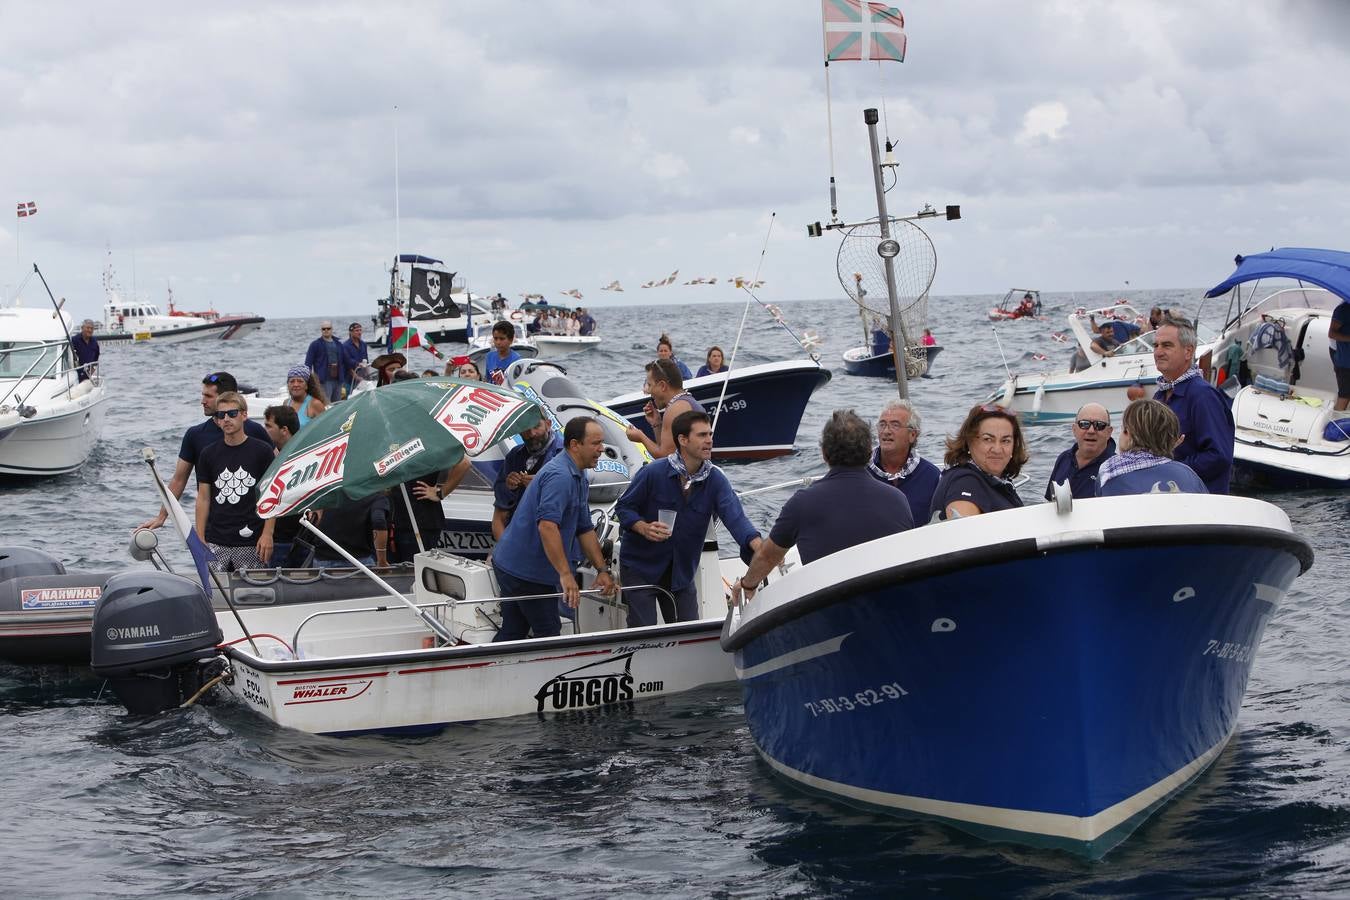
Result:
[[381, 438]]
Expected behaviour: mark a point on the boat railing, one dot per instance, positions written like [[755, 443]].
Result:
[[54, 369], [1286, 298], [612, 600]]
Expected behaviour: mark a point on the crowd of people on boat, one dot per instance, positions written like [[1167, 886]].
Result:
[[1178, 441]]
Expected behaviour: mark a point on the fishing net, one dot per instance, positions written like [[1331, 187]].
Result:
[[862, 272]]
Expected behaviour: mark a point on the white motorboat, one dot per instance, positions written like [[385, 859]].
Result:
[[1048, 398], [552, 346], [129, 320], [436, 301], [50, 420], [1288, 432]]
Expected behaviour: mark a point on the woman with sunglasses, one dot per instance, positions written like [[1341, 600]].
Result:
[[1150, 433], [982, 459]]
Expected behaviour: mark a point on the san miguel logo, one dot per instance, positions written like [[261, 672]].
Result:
[[303, 476], [474, 415], [594, 684], [398, 455]]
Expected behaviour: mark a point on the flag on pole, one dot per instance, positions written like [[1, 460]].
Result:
[[861, 30], [201, 554], [403, 336], [27, 209]]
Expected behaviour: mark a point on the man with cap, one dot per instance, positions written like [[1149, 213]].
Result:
[[85, 346], [324, 359], [355, 353]]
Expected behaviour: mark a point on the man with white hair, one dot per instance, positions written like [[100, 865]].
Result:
[[1092, 446], [1206, 417], [896, 460], [86, 350]]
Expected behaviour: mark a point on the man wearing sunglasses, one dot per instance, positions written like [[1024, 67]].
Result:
[[324, 358], [228, 473], [1092, 446], [202, 435]]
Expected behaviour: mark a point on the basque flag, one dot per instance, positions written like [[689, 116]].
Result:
[[403, 336], [27, 209]]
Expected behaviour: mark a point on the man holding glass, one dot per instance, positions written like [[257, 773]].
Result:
[[664, 516]]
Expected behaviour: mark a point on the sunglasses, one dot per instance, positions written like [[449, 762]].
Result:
[[325, 329], [228, 413], [1094, 424], [211, 379], [998, 410]]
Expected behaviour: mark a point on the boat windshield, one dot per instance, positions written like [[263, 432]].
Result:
[[16, 358]]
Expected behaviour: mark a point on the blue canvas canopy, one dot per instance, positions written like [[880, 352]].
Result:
[[419, 259], [1328, 269]]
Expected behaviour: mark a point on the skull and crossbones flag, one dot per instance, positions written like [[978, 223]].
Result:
[[430, 295]]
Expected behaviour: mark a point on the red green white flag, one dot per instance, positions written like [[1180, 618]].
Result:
[[403, 336]]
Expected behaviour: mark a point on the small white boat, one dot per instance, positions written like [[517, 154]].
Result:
[[50, 420], [552, 346], [1277, 349], [1018, 303], [1048, 398]]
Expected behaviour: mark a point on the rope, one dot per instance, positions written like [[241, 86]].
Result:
[[204, 688]]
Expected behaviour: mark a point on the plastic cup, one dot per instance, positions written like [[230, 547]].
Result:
[[667, 518]]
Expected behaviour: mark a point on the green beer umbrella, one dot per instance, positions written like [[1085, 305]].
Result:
[[381, 438]]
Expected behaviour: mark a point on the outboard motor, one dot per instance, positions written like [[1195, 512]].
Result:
[[21, 562], [154, 640]]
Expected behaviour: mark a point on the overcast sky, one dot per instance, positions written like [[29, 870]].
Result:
[[245, 152]]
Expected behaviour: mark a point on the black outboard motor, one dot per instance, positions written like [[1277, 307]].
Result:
[[21, 562], [154, 640]]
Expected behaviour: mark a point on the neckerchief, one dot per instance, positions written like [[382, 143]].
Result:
[[1128, 461], [687, 481], [1165, 385], [905, 471]]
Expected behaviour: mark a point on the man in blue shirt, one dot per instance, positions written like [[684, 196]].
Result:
[[896, 460], [199, 437], [501, 355], [551, 529], [1339, 332], [354, 354], [523, 461], [86, 350], [688, 486], [1206, 418], [585, 322], [845, 508], [1092, 446], [324, 358]]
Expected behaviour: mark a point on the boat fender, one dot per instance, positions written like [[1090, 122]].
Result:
[[1063, 498], [1008, 393], [1038, 399], [1337, 430]]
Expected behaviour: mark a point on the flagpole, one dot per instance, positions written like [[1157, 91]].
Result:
[[829, 122]]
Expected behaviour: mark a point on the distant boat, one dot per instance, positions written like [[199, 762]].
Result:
[[1018, 303], [130, 320], [435, 300]]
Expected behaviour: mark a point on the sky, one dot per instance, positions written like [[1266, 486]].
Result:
[[244, 153]]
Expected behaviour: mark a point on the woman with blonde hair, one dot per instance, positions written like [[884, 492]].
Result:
[[983, 458], [1150, 432]]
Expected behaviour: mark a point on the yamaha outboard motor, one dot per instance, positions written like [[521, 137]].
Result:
[[154, 640]]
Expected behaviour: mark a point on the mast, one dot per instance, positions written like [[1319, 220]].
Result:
[[899, 339]]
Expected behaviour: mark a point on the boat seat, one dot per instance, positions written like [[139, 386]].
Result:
[[1270, 353]]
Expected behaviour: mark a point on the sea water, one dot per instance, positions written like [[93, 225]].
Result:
[[663, 798]]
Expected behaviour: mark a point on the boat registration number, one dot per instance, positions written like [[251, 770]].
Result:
[[1228, 650], [732, 405], [864, 698]]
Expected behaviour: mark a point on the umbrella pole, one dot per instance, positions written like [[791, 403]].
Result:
[[426, 617], [417, 532]]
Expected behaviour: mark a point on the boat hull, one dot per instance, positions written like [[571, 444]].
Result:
[[552, 346], [760, 412], [424, 691], [47, 445], [221, 329], [966, 687], [881, 365], [1262, 463], [1056, 399]]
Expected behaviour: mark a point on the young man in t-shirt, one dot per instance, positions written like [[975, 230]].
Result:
[[200, 436], [228, 473], [501, 356]]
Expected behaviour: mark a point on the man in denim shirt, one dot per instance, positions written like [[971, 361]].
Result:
[[550, 529], [689, 485]]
